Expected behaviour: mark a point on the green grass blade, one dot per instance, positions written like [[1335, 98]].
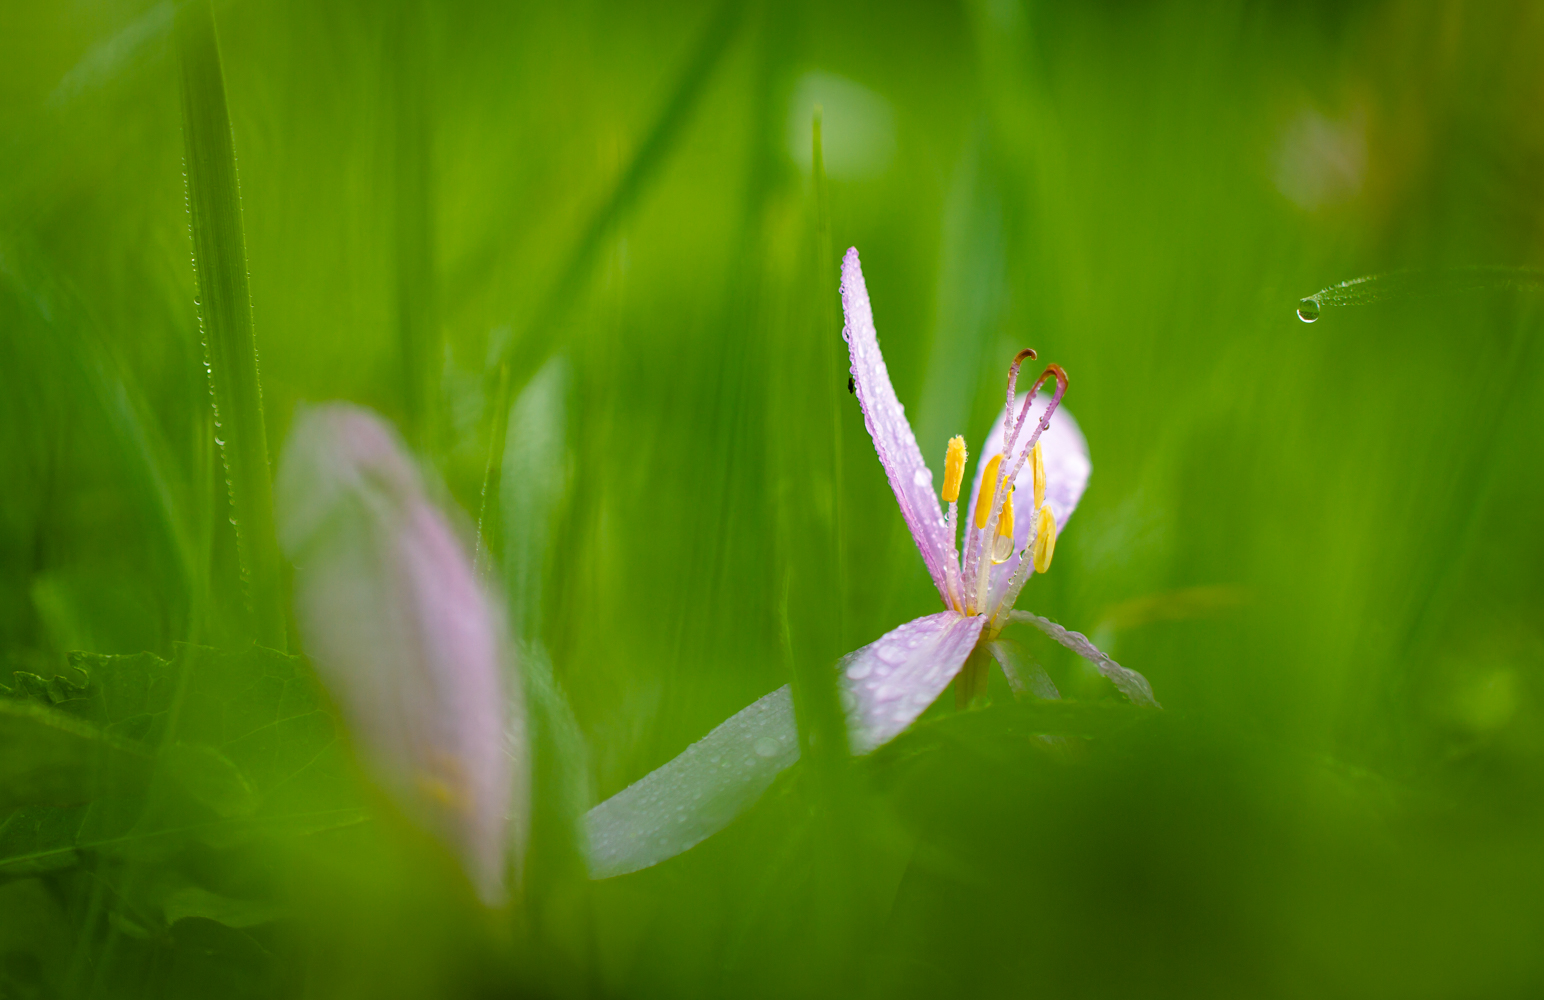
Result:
[[225, 313], [528, 350], [418, 324]]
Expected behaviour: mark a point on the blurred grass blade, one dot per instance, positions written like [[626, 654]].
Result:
[[537, 339], [225, 313], [59, 310], [489, 525], [142, 39], [418, 325], [535, 473], [813, 619]]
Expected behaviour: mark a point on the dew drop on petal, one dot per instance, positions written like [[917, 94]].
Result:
[[923, 478]]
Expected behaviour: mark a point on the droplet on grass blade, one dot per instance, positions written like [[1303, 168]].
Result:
[[1308, 309]]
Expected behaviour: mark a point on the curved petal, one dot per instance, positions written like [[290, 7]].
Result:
[[401, 632], [1067, 469], [885, 418], [888, 683], [681, 804], [1130, 683]]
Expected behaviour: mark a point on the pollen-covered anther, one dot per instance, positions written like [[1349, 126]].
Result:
[[1002, 545], [988, 487], [1037, 462], [954, 468], [1045, 540]]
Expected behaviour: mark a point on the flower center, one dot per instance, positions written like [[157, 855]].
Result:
[[989, 536]]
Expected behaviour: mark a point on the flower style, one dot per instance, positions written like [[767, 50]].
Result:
[[404, 636], [1022, 496]]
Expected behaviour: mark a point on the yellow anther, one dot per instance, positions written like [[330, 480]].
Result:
[[988, 486], [954, 468], [1037, 459], [1045, 540], [1002, 545]]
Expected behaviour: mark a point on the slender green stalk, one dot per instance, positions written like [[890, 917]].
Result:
[[814, 627], [489, 537], [418, 329], [835, 357], [225, 315]]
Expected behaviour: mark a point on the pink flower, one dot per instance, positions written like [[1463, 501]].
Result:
[[402, 633], [1034, 472]]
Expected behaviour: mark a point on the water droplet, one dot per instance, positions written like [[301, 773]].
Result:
[[766, 747], [1308, 309], [892, 654], [860, 669], [923, 478]]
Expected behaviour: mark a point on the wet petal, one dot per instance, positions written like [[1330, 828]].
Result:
[[393, 617], [885, 418], [888, 683], [1067, 469], [698, 793], [1131, 684], [1025, 676]]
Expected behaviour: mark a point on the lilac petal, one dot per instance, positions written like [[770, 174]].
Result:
[[401, 632], [681, 804], [1067, 469], [885, 418], [1025, 676], [888, 683], [1131, 684]]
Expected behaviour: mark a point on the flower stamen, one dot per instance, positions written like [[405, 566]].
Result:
[[1002, 545], [1037, 460], [954, 468], [1045, 540], [984, 499], [954, 473]]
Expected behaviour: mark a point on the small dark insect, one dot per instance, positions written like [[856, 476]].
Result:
[[852, 386]]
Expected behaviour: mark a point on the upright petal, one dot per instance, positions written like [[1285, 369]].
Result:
[[888, 683], [1067, 469], [684, 802], [885, 418], [399, 629]]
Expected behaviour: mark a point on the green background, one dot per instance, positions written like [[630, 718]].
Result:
[[1321, 543]]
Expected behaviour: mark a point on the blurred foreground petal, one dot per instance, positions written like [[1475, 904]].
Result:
[[681, 804], [393, 617]]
